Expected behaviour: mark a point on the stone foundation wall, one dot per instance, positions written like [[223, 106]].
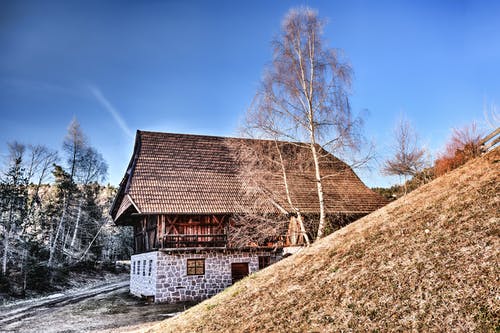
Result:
[[143, 274], [173, 283], [167, 279]]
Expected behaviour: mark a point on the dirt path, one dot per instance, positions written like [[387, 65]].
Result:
[[105, 308]]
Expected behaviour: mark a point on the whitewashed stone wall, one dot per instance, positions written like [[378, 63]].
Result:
[[141, 282]]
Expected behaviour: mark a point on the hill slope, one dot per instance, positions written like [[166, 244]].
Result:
[[429, 261]]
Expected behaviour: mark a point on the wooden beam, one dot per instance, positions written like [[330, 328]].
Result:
[[158, 230], [489, 136], [484, 146]]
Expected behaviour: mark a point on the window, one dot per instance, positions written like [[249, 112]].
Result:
[[144, 268], [150, 267], [264, 261], [195, 266], [133, 267]]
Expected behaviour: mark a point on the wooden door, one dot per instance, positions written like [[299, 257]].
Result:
[[239, 270]]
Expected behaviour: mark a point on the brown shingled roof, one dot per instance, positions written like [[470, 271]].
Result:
[[196, 174]]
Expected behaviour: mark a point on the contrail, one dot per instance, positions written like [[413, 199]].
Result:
[[111, 109]]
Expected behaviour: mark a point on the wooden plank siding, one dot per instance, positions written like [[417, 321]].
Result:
[[160, 231]]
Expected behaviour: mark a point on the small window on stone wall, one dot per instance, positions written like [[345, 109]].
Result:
[[133, 267], [264, 261], [150, 267], [144, 268], [195, 266], [138, 268]]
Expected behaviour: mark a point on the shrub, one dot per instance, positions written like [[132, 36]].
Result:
[[462, 147]]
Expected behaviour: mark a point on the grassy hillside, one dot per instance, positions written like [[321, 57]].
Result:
[[429, 261]]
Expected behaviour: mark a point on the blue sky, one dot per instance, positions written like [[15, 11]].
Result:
[[194, 66]]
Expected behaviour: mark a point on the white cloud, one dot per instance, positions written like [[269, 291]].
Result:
[[96, 92]]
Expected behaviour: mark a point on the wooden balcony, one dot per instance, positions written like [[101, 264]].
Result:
[[193, 241]]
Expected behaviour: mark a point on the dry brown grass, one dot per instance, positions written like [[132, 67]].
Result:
[[426, 262]]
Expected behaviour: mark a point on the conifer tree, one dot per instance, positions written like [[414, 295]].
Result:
[[13, 200]]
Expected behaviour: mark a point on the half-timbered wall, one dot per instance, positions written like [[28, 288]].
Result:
[[145, 234]]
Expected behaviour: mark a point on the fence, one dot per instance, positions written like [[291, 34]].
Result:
[[490, 141]]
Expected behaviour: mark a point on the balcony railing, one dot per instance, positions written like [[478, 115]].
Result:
[[188, 241]]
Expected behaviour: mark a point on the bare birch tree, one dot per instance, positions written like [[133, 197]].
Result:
[[92, 168], [65, 188], [85, 165], [304, 96], [73, 145]]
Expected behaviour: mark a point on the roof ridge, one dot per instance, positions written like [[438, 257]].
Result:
[[218, 136], [188, 134]]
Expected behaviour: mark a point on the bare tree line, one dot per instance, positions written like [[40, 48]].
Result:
[[54, 214], [412, 162]]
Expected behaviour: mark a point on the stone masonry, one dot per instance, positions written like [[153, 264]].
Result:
[[169, 281]]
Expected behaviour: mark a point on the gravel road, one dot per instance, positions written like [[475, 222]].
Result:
[[104, 308]]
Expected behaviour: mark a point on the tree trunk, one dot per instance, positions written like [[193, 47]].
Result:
[[23, 268], [405, 187], [308, 93], [5, 251], [73, 161], [289, 198], [56, 236], [75, 232], [90, 245], [319, 185], [303, 229], [6, 241]]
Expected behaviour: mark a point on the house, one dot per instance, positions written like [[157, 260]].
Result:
[[181, 194]]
